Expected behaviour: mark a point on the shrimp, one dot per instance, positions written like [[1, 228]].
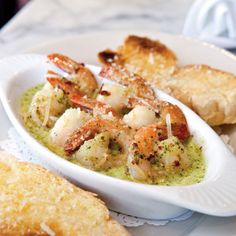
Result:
[[117, 131], [77, 98], [152, 155], [98, 108], [47, 105], [141, 152], [115, 95], [101, 153], [70, 120], [99, 144], [64, 84], [79, 74], [135, 82], [146, 137], [140, 116], [94, 153], [156, 148], [173, 155], [139, 169], [176, 124]]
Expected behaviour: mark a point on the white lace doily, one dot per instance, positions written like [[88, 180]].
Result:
[[15, 145]]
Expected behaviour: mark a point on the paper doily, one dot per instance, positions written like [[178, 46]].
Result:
[[17, 147]]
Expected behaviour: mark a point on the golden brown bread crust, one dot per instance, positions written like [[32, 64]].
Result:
[[148, 58], [107, 57], [33, 201], [208, 91]]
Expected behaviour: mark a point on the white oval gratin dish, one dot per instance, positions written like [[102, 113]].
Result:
[[215, 195]]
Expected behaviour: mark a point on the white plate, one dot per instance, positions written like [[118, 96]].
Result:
[[215, 195], [74, 46]]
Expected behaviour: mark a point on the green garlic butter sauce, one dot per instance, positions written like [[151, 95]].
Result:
[[192, 175]]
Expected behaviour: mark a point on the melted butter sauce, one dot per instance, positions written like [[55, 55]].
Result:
[[192, 175]]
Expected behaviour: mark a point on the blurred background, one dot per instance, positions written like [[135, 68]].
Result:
[[213, 21], [8, 8]]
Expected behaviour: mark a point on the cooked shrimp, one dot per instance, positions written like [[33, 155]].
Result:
[[77, 98], [97, 107], [147, 159], [140, 116], [94, 153], [173, 155], [79, 74], [136, 83], [176, 123], [114, 95], [66, 85], [117, 132], [47, 105], [139, 169], [141, 152], [70, 120], [101, 152], [146, 138], [152, 154]]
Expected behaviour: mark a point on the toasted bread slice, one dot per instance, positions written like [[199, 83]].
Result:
[[208, 91], [140, 55], [34, 201]]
